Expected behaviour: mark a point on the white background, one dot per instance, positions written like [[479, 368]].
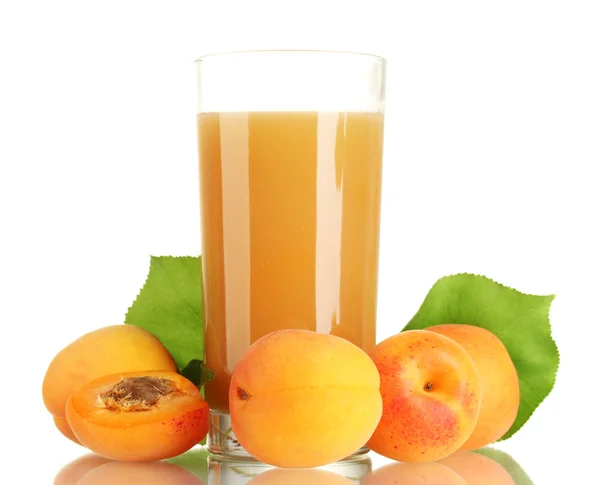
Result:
[[491, 154]]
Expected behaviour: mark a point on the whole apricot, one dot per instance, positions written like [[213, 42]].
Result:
[[413, 474], [431, 396], [301, 399], [138, 416], [500, 396], [117, 348], [71, 473], [153, 473], [477, 469]]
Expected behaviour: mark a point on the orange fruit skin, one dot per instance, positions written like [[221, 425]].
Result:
[[431, 396], [63, 426], [500, 396], [300, 399], [173, 426]]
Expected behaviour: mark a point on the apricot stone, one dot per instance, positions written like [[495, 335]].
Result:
[[413, 474], [431, 396], [477, 469], [153, 473], [108, 350], [500, 395], [301, 399]]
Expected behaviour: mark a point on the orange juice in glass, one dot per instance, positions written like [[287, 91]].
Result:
[[290, 152]]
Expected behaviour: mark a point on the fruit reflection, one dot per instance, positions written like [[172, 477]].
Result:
[[70, 474], [477, 469], [280, 476], [147, 473], [413, 474], [487, 466]]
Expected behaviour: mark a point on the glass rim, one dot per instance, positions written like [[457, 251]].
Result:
[[356, 54]]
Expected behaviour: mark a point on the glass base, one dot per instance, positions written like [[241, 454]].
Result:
[[228, 471], [223, 443]]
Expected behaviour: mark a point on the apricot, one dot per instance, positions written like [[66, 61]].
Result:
[[431, 396], [73, 471], [413, 474], [281, 476], [301, 399], [477, 469], [63, 426], [500, 395], [153, 473], [138, 416], [117, 348]]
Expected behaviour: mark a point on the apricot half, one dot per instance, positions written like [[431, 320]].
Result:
[[301, 399], [431, 396], [138, 416], [116, 348], [500, 396]]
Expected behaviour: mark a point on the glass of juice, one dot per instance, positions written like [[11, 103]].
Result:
[[290, 152]]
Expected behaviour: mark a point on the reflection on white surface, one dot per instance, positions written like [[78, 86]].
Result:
[[346, 472], [90, 469], [72, 472], [483, 467], [488, 466], [146, 473]]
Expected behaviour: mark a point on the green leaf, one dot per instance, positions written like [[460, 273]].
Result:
[[197, 372], [169, 306], [195, 461], [519, 320], [508, 463]]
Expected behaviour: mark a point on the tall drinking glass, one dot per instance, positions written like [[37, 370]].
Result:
[[290, 149]]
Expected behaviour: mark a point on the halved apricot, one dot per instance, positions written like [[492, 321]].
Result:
[[138, 416]]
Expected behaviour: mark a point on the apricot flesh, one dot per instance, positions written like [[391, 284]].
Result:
[[413, 474], [300, 399], [138, 416], [431, 396], [153, 473], [108, 350], [477, 469], [500, 396]]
